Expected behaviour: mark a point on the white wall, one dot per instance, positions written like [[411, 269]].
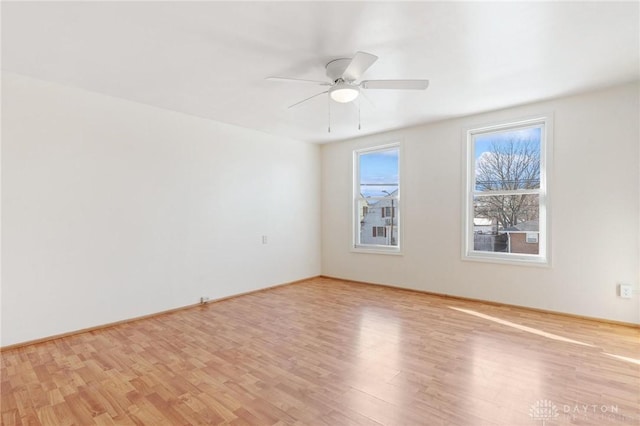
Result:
[[594, 216], [113, 209]]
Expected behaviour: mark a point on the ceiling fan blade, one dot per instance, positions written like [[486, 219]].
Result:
[[395, 84], [359, 64], [298, 80], [310, 97]]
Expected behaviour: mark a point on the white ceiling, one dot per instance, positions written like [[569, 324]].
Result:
[[210, 59]]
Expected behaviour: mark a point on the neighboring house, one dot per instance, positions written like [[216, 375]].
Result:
[[379, 222], [523, 237]]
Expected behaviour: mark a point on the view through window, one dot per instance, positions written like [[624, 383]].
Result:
[[506, 207], [377, 201]]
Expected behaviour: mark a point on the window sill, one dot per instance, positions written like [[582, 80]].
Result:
[[377, 250], [523, 260]]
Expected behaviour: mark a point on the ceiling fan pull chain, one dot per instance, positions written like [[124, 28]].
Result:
[[359, 103], [329, 110]]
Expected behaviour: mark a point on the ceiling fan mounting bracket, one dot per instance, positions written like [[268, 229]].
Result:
[[336, 68]]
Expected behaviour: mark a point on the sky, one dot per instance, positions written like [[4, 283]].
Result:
[[483, 141], [377, 169], [381, 167]]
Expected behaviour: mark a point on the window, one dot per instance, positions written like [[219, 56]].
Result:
[[377, 199], [379, 231], [506, 198], [388, 211]]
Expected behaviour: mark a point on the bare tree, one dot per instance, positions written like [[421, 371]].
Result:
[[513, 164]]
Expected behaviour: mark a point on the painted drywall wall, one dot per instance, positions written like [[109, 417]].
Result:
[[113, 209], [594, 211]]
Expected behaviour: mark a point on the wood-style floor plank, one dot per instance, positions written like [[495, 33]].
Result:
[[330, 352]]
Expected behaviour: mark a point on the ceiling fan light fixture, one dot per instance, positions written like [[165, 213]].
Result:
[[343, 93]]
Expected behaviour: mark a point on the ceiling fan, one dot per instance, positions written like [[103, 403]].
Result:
[[344, 74]]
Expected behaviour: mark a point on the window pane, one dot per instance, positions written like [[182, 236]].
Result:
[[508, 160], [378, 173], [506, 223], [377, 188], [375, 228]]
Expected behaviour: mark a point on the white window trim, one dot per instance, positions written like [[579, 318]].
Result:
[[468, 171], [376, 248]]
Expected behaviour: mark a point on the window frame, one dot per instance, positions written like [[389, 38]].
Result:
[[543, 258], [356, 246]]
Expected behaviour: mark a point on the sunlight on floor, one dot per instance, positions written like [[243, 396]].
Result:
[[624, 358], [541, 333], [520, 327]]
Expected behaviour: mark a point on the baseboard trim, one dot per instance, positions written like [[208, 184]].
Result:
[[191, 306], [491, 302], [143, 317]]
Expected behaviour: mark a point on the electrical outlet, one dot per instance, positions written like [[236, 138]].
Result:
[[626, 291], [264, 239]]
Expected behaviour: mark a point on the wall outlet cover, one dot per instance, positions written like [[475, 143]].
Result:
[[626, 291]]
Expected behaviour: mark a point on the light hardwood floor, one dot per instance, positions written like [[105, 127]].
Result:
[[329, 352]]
